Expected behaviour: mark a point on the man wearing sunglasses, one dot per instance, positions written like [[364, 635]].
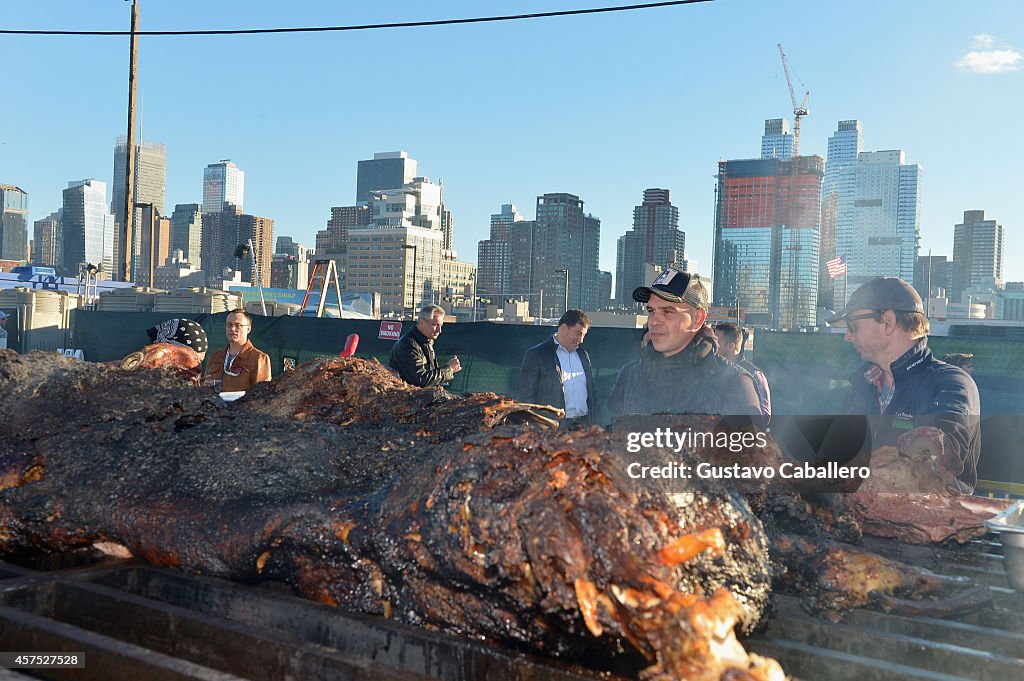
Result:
[[240, 365], [927, 408]]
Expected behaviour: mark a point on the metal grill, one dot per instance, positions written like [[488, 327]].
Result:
[[140, 623], [987, 645], [137, 623]]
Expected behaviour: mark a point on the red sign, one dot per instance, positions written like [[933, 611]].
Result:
[[390, 330]]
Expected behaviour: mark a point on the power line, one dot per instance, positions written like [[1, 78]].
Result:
[[364, 27]]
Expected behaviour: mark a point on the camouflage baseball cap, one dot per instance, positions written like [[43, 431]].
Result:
[[675, 287]]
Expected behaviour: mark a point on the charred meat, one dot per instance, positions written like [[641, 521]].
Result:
[[536, 539]]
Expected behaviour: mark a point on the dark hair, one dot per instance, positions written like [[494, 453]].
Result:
[[959, 359], [238, 310], [574, 317], [731, 331]]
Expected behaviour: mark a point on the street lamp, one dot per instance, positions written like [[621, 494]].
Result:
[[566, 291], [472, 278], [88, 276], [413, 248], [247, 249]]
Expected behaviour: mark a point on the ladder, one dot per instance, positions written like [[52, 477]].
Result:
[[324, 272]]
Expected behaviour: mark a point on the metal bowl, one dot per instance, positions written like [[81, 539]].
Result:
[[1010, 526]]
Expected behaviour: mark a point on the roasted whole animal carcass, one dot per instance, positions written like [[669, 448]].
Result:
[[367, 396], [184, 361], [433, 514], [832, 578], [903, 499], [812, 529], [913, 501]]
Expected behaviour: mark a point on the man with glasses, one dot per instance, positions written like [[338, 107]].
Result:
[[928, 409], [239, 366]]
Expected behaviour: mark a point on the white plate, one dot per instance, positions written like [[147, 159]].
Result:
[[232, 396]]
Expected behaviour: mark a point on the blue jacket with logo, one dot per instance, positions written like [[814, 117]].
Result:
[[929, 394]]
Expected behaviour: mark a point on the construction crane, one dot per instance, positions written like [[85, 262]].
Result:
[[799, 110]]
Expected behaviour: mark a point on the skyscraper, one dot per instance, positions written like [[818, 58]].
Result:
[[87, 228], [400, 253], [187, 232], [655, 239], [13, 224], [494, 254], [288, 271], [882, 238], [837, 196], [767, 239], [977, 254], [152, 245], [777, 141], [224, 232], [387, 170], [223, 183], [343, 218], [149, 185], [524, 280], [261, 231], [936, 269], [48, 240], [288, 246], [567, 239]]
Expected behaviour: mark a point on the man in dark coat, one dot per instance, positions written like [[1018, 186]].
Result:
[[730, 345], [930, 410], [558, 372], [413, 354], [680, 372]]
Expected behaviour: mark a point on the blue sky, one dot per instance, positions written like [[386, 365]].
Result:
[[601, 106]]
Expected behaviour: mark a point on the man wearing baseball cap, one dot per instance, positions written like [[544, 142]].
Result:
[[929, 409], [680, 372]]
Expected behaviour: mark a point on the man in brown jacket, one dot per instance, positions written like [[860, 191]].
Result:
[[239, 366]]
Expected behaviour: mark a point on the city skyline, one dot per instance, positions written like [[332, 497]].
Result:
[[941, 85]]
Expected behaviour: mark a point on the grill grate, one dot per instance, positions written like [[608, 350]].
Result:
[[872, 646], [140, 623]]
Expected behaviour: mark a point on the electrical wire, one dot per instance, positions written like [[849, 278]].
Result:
[[362, 27]]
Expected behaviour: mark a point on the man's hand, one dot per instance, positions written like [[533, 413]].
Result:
[[455, 365], [926, 443], [920, 448]]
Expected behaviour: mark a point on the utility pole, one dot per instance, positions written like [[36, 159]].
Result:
[[129, 170], [566, 290], [928, 295]]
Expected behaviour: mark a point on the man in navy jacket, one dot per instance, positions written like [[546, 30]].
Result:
[[928, 409], [558, 371]]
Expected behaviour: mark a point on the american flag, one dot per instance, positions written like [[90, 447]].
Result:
[[836, 266]]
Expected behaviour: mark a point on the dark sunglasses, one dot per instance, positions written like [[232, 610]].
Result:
[[851, 322]]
